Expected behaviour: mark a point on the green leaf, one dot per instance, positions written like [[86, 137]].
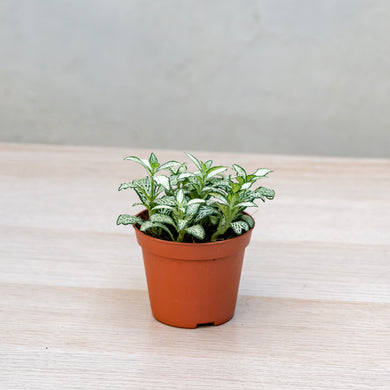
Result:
[[262, 172], [195, 161], [197, 231], [239, 170], [162, 218], [239, 226], [249, 220], [214, 219], [126, 219], [235, 187], [153, 161]]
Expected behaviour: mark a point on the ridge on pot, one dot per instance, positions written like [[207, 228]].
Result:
[[193, 235]]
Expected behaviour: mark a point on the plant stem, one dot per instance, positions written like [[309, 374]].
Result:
[[180, 238]]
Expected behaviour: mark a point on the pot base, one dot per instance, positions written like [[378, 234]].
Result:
[[192, 325]]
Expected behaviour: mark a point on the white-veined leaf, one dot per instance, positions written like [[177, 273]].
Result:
[[141, 195], [167, 200], [239, 226], [195, 161], [150, 225], [208, 163], [162, 218], [215, 171], [262, 172], [184, 176], [125, 186], [247, 204], [192, 209], [239, 170], [245, 186], [197, 231], [125, 219], [163, 207], [248, 219], [197, 200], [219, 198], [162, 181], [264, 192], [167, 165], [180, 196], [181, 224], [205, 211], [144, 163]]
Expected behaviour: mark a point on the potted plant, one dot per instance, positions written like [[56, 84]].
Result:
[[193, 232]]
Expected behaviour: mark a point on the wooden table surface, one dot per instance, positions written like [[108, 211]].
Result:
[[314, 304]]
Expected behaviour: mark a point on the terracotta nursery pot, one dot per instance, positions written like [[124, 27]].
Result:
[[192, 284]]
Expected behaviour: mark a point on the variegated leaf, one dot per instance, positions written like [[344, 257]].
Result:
[[208, 164], [262, 172], [166, 200], [184, 176], [125, 186], [163, 207], [239, 226], [162, 218], [215, 171], [125, 219], [180, 196], [197, 231], [192, 209], [167, 165], [162, 181], [239, 170], [205, 211], [181, 224], [144, 163], [219, 198], [150, 225], [195, 161], [245, 186], [196, 200], [247, 204], [264, 192], [248, 219]]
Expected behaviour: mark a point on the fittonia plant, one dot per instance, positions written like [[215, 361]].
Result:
[[194, 206]]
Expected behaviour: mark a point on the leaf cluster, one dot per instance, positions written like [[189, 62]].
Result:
[[203, 205]]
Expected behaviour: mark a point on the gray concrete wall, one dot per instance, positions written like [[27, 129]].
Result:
[[273, 76]]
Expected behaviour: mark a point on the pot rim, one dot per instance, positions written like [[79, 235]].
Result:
[[195, 244]]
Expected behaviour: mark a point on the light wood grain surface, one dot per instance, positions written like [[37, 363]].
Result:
[[314, 302]]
